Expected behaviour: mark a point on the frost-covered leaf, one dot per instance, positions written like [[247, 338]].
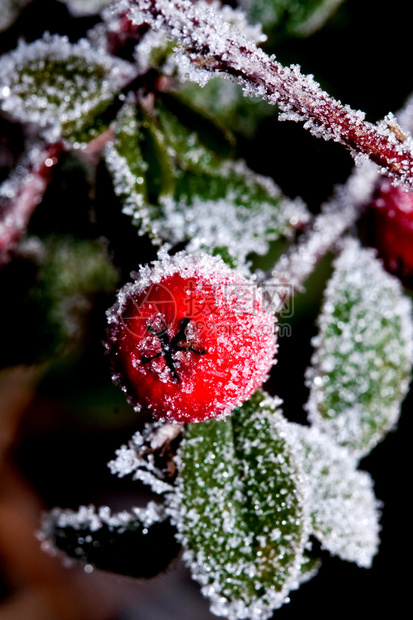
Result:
[[175, 178], [296, 17], [198, 144], [240, 510], [62, 86], [344, 510], [363, 353], [9, 11], [140, 166], [139, 542]]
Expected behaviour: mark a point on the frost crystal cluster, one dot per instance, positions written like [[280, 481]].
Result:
[[152, 267]]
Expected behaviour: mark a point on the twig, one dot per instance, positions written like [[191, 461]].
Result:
[[20, 195], [208, 45]]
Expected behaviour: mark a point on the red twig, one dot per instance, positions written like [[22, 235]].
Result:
[[25, 191], [210, 45]]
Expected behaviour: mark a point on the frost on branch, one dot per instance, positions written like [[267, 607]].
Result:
[[363, 353], [344, 511], [337, 215], [176, 179], [137, 542], [240, 510], [208, 45], [21, 193], [61, 86], [147, 457]]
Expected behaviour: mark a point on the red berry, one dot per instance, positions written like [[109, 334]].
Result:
[[392, 227], [190, 339]]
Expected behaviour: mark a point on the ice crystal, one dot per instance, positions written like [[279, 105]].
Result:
[[92, 518], [58, 84], [344, 511], [363, 353], [240, 510]]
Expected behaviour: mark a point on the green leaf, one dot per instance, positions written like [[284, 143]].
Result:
[[198, 144], [62, 86], [344, 510], [72, 273], [363, 354], [294, 17], [140, 166], [174, 177], [138, 543], [240, 510]]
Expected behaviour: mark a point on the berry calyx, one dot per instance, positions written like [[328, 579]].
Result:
[[190, 339], [391, 213]]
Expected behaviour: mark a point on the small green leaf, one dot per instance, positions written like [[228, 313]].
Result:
[[294, 17], [198, 144], [363, 354], [240, 510], [138, 543], [72, 272], [344, 510], [60, 85]]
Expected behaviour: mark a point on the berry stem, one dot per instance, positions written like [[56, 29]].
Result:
[[336, 217]]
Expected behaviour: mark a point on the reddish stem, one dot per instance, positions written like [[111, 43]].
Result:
[[27, 190], [215, 48]]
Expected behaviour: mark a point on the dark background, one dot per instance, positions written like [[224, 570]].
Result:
[[59, 435]]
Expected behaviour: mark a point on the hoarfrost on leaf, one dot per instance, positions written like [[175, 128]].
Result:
[[344, 510], [363, 353], [116, 541], [241, 511], [61, 86]]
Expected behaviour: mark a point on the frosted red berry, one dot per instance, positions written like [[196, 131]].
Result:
[[392, 227], [190, 339]]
